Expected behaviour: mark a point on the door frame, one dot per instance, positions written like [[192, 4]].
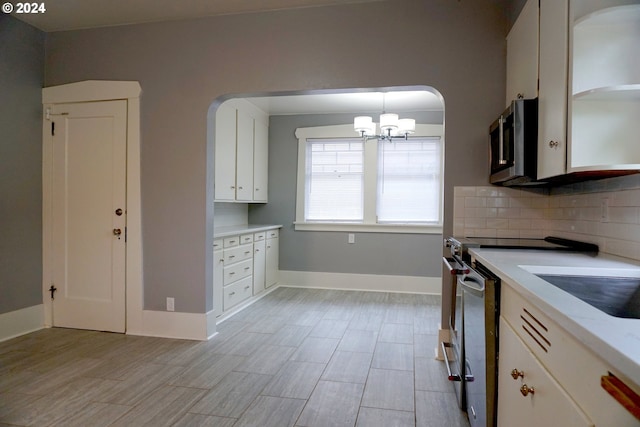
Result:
[[88, 91]]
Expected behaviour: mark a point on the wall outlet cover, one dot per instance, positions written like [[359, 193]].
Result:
[[171, 304]]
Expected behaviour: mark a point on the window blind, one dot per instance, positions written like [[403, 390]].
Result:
[[334, 180], [409, 174]]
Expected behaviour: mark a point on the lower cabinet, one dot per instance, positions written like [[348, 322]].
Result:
[[527, 393], [218, 265], [272, 258], [557, 378], [244, 265], [259, 263]]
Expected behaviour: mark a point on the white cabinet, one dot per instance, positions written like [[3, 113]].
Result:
[[604, 96], [261, 161], [259, 263], [552, 104], [272, 258], [225, 153], [564, 373], [241, 153], [522, 55], [528, 395], [218, 265], [244, 265]]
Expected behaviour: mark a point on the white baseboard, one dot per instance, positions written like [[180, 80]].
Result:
[[171, 324], [361, 282], [20, 322], [211, 324]]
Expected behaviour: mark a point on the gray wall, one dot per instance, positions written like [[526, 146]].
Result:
[[373, 253], [456, 47], [21, 76]]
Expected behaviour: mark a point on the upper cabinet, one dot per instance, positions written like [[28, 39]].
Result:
[[522, 55], [241, 153], [581, 59], [604, 96], [552, 96]]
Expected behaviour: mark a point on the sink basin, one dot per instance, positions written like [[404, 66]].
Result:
[[616, 296]]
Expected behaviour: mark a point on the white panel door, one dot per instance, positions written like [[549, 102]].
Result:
[[89, 214], [225, 153], [244, 165], [552, 95], [260, 161]]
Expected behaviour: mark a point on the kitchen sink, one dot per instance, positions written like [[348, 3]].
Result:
[[616, 296]]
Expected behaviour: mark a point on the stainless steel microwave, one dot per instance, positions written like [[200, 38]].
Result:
[[514, 144]]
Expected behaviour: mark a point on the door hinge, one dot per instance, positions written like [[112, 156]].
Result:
[[52, 289], [53, 128], [125, 234]]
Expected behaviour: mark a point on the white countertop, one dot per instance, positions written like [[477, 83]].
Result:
[[232, 230], [615, 340]]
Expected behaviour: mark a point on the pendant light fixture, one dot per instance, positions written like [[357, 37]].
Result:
[[391, 126]]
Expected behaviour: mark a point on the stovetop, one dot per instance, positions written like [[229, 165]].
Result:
[[548, 243]]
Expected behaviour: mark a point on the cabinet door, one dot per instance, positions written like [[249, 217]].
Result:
[[218, 278], [272, 262], [548, 405], [522, 54], [225, 153], [244, 166], [552, 96], [259, 266], [260, 161]]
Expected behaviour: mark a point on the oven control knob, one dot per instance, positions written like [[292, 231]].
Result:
[[515, 374]]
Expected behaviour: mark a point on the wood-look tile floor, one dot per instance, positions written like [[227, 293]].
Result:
[[297, 357]]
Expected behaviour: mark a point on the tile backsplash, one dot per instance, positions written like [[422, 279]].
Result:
[[604, 212]]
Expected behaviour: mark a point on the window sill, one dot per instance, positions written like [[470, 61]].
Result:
[[368, 228]]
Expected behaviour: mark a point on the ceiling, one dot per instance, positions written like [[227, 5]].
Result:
[[354, 102], [64, 15]]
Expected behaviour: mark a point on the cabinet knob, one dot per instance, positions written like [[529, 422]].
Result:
[[515, 374], [239, 188], [526, 390], [554, 144], [257, 189], [232, 294], [233, 186]]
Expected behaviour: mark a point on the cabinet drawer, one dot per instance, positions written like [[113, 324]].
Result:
[[272, 234], [259, 236], [231, 241], [237, 254], [238, 271], [246, 238], [237, 292], [217, 244]]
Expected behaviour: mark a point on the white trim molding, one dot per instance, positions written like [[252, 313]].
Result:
[[88, 91], [20, 322], [361, 282]]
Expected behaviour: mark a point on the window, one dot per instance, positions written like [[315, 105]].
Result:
[[346, 184]]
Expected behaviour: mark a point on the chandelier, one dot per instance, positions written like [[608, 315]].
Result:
[[391, 126]]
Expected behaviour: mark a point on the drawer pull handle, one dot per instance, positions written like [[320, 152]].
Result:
[[257, 250], [232, 294], [232, 256], [246, 287], [247, 252], [232, 273], [621, 392], [246, 268], [526, 390], [232, 241], [515, 374]]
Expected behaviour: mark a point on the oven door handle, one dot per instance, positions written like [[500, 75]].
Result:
[[454, 271], [450, 376], [468, 377], [472, 285]]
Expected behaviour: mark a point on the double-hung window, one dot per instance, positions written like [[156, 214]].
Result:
[[348, 184]]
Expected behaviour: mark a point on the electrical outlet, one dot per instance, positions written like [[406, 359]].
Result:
[[351, 238], [604, 210], [171, 304]]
